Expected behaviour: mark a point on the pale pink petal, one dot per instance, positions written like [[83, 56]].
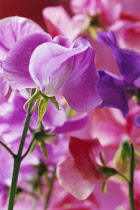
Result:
[[109, 16], [71, 180], [58, 22], [129, 37]]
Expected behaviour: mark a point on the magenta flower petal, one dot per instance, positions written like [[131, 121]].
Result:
[[71, 179], [82, 152], [12, 29], [17, 61]]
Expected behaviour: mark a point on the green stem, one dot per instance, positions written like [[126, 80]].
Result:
[[50, 190], [18, 159], [131, 182]]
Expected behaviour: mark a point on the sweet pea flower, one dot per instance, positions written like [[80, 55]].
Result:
[[106, 16], [90, 15], [129, 37], [124, 86], [55, 66], [78, 173]]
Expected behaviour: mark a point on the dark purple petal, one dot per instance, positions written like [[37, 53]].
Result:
[[137, 120], [16, 64], [128, 61], [72, 124], [12, 29], [112, 91]]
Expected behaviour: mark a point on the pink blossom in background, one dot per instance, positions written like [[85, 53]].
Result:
[[78, 174], [129, 37]]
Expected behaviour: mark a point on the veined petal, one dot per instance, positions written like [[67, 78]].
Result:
[[48, 57], [16, 64], [80, 89]]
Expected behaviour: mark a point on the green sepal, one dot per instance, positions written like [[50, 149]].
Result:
[[42, 107], [108, 171], [54, 101], [34, 97], [39, 141], [104, 186], [44, 149], [34, 145]]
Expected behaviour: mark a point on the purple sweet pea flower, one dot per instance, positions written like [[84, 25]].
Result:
[[112, 90], [128, 61], [115, 90], [56, 67]]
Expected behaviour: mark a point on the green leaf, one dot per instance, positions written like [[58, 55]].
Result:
[[54, 101], [42, 107]]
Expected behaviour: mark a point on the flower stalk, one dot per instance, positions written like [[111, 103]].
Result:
[[131, 182], [18, 159]]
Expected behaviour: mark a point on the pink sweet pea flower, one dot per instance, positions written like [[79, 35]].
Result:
[[79, 173], [129, 37], [86, 13], [107, 16], [59, 22]]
